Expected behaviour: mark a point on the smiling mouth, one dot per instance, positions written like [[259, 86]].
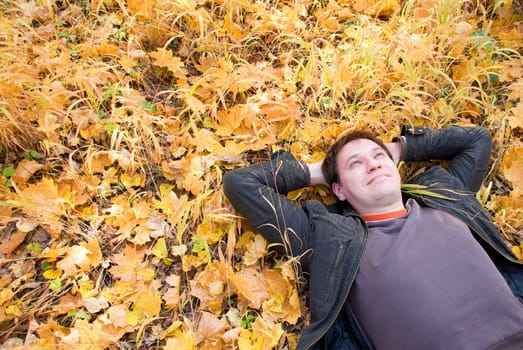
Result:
[[376, 178]]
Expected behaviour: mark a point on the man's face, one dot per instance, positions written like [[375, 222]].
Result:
[[368, 179]]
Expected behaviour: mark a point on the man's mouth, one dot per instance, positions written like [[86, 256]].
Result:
[[375, 177]]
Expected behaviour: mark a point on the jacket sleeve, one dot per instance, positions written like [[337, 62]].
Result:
[[467, 149], [258, 192]]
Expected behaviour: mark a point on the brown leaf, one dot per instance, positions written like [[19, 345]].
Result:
[[9, 246], [26, 169]]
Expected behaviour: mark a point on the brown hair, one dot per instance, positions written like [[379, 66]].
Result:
[[329, 167]]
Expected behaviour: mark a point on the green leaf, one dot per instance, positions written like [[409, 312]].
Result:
[[34, 248], [109, 127], [148, 106], [55, 284], [9, 171], [32, 154], [247, 321], [199, 244]]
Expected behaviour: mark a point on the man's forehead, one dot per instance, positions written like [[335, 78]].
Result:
[[360, 146]]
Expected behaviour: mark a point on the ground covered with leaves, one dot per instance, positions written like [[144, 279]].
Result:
[[119, 118]]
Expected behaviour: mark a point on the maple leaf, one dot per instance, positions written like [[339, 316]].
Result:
[[251, 286], [210, 330], [165, 58], [128, 263]]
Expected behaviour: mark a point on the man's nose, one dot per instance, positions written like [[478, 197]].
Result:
[[372, 164]]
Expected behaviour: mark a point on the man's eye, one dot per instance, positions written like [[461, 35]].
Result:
[[354, 163]]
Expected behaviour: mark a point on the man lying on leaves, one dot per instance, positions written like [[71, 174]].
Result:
[[392, 270]]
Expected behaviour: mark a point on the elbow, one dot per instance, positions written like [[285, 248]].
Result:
[[484, 138], [230, 180]]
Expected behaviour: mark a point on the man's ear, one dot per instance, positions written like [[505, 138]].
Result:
[[338, 191]]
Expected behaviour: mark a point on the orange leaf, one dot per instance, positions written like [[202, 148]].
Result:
[[512, 169], [141, 8], [251, 286], [165, 58]]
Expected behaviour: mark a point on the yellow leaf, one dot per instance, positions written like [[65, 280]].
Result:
[[160, 249], [181, 340], [210, 328], [464, 71], [518, 251], [147, 274], [149, 302], [208, 230], [15, 309], [80, 258], [52, 274], [133, 317], [516, 116], [132, 180], [251, 286], [269, 332], [96, 304], [249, 341]]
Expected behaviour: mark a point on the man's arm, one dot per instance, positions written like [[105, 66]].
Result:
[[258, 192], [466, 148]]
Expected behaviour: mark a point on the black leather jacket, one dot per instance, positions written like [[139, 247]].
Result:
[[331, 240]]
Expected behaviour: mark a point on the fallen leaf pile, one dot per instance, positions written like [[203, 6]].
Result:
[[119, 118]]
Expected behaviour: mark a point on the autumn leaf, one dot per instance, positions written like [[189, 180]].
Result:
[[9, 245], [165, 58], [210, 330], [118, 126], [512, 168], [26, 169]]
